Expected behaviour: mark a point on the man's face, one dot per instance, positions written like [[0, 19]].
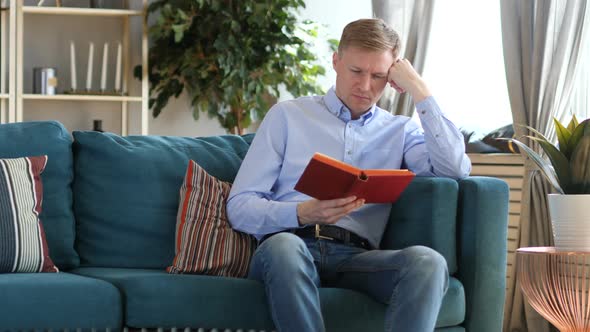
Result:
[[361, 76]]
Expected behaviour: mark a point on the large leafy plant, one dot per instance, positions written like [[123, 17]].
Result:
[[230, 56], [568, 167]]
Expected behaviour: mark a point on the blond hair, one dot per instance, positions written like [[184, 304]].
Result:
[[370, 34]]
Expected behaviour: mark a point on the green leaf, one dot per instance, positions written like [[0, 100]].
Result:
[[333, 43], [178, 32], [563, 136], [533, 130], [235, 26], [580, 167], [182, 15], [573, 124], [215, 5], [558, 160], [545, 167], [577, 134]]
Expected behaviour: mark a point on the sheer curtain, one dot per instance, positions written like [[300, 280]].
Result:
[[580, 101], [541, 43], [412, 19]]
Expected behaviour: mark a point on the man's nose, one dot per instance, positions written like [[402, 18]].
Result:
[[365, 82]]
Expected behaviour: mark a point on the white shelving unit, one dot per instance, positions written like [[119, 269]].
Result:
[[7, 78], [15, 92], [3, 49]]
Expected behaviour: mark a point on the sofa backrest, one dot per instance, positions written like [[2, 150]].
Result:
[[126, 192], [52, 139]]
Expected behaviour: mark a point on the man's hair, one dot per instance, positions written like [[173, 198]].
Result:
[[370, 34]]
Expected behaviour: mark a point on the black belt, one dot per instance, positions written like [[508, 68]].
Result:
[[333, 233]]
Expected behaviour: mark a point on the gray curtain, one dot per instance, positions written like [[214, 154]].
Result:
[[412, 19], [580, 100], [541, 42]]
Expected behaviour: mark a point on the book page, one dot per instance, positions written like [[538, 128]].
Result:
[[376, 172], [337, 163]]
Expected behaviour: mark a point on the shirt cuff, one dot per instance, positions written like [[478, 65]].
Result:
[[291, 214]]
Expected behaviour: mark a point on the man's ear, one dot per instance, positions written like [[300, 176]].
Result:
[[335, 59]]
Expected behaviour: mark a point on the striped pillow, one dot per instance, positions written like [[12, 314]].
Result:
[[22, 240], [205, 241]]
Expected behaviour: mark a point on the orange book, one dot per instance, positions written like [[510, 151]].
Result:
[[328, 178]]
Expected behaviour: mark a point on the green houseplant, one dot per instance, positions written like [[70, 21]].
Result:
[[230, 57], [568, 167], [568, 170]]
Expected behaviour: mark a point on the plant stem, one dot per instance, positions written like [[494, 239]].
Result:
[[238, 114]]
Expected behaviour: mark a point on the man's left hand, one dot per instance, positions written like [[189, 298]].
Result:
[[403, 77]]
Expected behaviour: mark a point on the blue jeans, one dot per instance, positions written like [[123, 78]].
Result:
[[411, 282]]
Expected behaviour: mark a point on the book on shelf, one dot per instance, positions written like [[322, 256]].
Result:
[[327, 178]]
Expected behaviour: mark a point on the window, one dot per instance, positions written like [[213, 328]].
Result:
[[465, 65]]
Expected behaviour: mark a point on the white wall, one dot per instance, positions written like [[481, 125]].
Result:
[[47, 39]]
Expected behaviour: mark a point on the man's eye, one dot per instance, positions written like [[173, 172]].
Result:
[[355, 70]]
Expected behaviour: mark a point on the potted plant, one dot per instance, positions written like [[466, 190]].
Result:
[[230, 57], [568, 171]]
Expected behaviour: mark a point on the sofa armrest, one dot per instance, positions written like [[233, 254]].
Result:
[[482, 241], [425, 214]]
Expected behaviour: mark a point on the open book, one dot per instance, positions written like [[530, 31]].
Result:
[[328, 178]]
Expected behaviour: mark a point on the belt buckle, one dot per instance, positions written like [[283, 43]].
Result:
[[319, 236]]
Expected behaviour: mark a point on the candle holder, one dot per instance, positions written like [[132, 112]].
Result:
[[96, 93], [102, 91]]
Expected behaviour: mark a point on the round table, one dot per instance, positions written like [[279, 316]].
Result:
[[556, 284]]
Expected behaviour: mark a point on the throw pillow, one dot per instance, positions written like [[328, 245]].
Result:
[[23, 247], [205, 241]]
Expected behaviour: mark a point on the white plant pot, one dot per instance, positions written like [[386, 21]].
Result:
[[570, 220]]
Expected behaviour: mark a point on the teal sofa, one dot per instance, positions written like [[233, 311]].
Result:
[[109, 214]]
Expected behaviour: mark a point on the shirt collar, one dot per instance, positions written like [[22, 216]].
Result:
[[337, 107]]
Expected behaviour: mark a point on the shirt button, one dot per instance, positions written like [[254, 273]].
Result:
[[349, 152], [423, 112]]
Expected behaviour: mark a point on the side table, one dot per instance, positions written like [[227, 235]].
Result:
[[556, 284]]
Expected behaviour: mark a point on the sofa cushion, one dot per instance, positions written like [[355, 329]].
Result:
[[23, 246], [58, 301], [205, 241], [127, 192], [233, 303], [426, 214], [52, 139]]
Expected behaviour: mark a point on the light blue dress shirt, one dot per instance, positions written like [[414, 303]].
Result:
[[262, 199]]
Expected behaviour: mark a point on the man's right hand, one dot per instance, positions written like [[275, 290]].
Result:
[[315, 211]]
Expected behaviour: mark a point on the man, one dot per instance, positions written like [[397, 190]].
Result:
[[347, 125]]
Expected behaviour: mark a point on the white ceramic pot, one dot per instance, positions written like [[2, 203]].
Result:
[[570, 220]]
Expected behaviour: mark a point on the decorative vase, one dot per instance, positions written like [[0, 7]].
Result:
[[570, 221]]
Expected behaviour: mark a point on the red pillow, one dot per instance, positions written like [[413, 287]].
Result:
[[205, 241], [23, 247]]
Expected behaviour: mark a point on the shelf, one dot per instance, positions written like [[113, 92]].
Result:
[[81, 97], [15, 93], [80, 11]]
